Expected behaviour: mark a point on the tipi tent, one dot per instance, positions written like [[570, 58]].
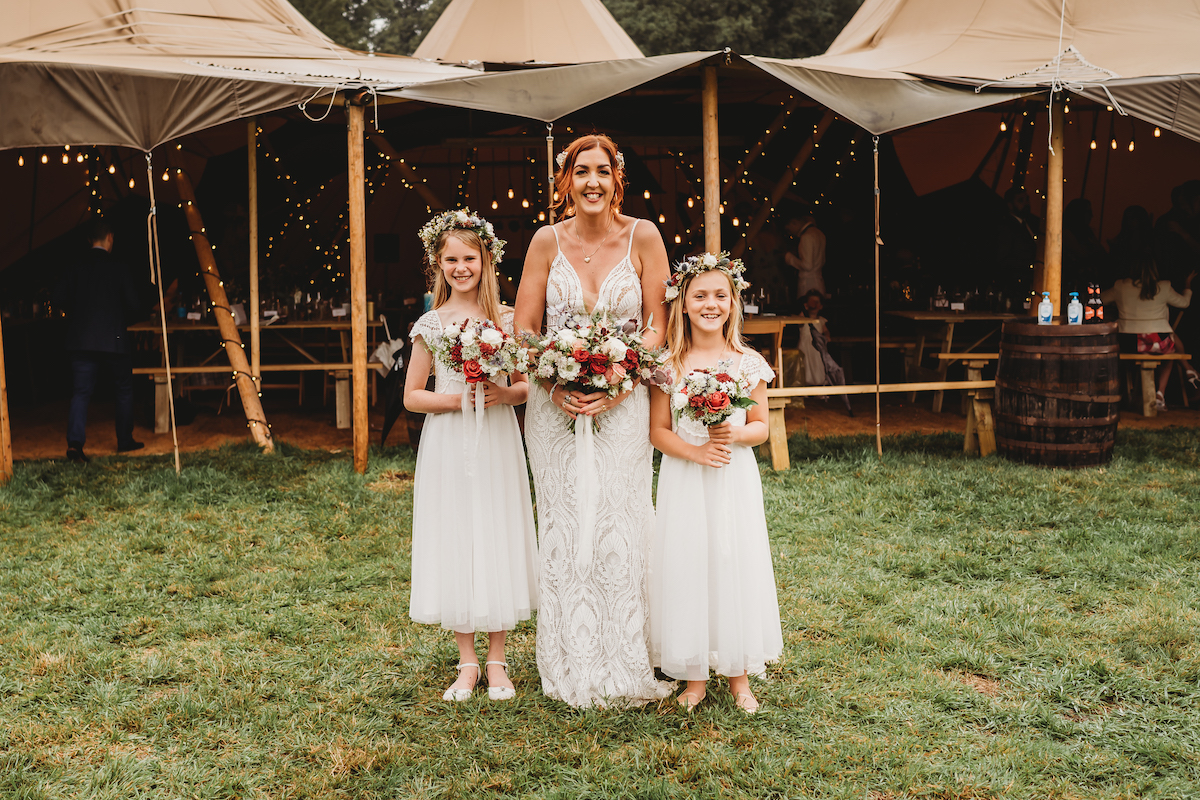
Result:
[[520, 31]]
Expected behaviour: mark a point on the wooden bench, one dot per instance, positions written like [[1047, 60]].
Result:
[[906, 346], [162, 406], [1149, 363], [980, 435], [775, 448]]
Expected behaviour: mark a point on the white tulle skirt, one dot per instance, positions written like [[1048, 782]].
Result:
[[474, 545], [712, 588]]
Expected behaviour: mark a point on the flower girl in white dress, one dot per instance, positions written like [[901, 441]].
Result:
[[712, 587], [473, 545]]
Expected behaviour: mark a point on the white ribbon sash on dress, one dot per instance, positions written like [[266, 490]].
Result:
[[586, 491]]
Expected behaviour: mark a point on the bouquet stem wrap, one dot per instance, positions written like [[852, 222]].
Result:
[[472, 395]]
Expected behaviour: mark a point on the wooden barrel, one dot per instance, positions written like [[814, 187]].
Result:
[[1057, 393]]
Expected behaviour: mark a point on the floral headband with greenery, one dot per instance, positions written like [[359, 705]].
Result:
[[561, 158], [463, 219], [694, 265]]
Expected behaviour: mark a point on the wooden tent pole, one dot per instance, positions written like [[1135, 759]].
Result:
[[253, 311], [6, 453], [760, 217], [230, 338], [712, 164], [550, 172], [1052, 271], [356, 174]]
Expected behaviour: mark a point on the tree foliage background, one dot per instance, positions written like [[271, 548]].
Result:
[[779, 28]]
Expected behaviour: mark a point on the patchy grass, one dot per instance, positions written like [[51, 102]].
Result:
[[955, 627]]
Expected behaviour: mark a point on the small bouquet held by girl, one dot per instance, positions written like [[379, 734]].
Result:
[[594, 352], [710, 395], [479, 350]]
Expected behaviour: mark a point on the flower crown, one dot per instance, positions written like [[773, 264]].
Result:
[[694, 265], [561, 159], [464, 219]]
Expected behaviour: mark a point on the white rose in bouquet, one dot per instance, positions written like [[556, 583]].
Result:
[[615, 349], [491, 336], [678, 400]]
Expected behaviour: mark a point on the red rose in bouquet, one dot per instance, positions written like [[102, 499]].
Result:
[[599, 363], [473, 372], [717, 402], [581, 355]]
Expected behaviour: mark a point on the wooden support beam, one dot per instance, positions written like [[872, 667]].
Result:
[[396, 160], [785, 182], [759, 147], [253, 311], [1052, 269], [247, 386], [357, 174], [712, 163], [6, 453]]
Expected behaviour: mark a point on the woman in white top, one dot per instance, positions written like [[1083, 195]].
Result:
[[1142, 302]]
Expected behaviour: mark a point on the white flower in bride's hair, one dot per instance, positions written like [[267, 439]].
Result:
[[709, 260], [491, 336]]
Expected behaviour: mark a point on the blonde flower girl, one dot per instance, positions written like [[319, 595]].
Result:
[[712, 587], [473, 544]]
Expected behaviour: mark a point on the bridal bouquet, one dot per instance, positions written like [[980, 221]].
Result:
[[595, 352], [479, 350], [710, 395]]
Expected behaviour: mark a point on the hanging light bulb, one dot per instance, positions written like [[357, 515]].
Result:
[[45, 159], [20, 161], [646, 194], [79, 157], [1003, 126], [1157, 133], [66, 159], [721, 208], [736, 222], [662, 217], [690, 202], [524, 203], [510, 194], [1113, 144], [495, 204], [112, 168], [1093, 144], [131, 183], [541, 218], [678, 239], [1131, 145]]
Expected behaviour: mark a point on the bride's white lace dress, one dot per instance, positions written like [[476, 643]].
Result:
[[593, 624]]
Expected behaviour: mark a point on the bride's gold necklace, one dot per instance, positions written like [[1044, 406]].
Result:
[[586, 258]]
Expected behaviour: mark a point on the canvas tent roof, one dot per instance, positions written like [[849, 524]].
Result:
[[519, 31], [111, 72], [1142, 55]]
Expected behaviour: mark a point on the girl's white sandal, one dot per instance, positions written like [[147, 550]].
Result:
[[460, 695], [500, 692]]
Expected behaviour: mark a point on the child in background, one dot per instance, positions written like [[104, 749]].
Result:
[[712, 587], [473, 534]]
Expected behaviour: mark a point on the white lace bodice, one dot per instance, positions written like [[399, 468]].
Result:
[[754, 368], [620, 292], [429, 328]]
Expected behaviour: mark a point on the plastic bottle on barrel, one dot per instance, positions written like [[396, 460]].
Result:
[[1045, 310], [1093, 312], [1074, 310]]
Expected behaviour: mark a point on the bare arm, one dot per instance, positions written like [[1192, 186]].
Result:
[[665, 440], [531, 294], [416, 397], [650, 259]]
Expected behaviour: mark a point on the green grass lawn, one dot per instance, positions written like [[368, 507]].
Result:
[[955, 628]]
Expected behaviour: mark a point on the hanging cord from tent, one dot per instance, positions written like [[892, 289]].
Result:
[[156, 277], [550, 172], [341, 87], [878, 243]]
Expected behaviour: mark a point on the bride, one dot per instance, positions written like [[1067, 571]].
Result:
[[592, 623]]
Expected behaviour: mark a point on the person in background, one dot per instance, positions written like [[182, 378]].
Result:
[[807, 255], [98, 295], [1083, 256], [1142, 301], [1017, 246], [819, 367]]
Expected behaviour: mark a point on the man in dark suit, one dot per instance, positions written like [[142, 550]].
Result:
[[99, 298]]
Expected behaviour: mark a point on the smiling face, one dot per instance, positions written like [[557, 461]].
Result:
[[592, 182], [708, 301], [461, 265]]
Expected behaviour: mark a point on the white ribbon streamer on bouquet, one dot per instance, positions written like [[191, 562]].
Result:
[[586, 489], [471, 442]]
